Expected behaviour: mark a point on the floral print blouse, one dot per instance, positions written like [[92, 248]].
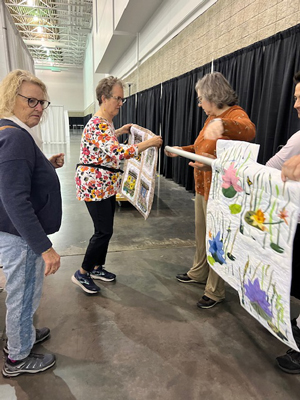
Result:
[[237, 126], [100, 146]]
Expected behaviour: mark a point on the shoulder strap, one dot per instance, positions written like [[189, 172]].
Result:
[[7, 126]]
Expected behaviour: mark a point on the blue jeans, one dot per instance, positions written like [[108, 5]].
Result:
[[24, 272]]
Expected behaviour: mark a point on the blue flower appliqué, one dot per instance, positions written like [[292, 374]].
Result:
[[216, 249]]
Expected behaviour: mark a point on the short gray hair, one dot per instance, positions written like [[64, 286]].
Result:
[[216, 89], [105, 87]]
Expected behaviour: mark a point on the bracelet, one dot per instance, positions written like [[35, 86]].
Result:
[[47, 251]]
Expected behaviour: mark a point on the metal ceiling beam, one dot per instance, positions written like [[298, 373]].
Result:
[[66, 24]]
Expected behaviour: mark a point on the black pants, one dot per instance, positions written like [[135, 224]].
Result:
[[295, 287], [102, 213]]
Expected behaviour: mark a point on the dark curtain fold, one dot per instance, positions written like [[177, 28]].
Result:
[[183, 112], [243, 69], [86, 118], [148, 109], [117, 120], [168, 105], [181, 122], [277, 120], [129, 110], [74, 121], [127, 115]]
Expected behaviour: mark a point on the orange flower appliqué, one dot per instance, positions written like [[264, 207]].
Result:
[[258, 220], [283, 214]]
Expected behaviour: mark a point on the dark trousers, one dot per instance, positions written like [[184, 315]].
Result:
[[295, 287], [102, 213]]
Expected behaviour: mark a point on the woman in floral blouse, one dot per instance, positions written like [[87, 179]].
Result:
[[226, 120], [98, 178]]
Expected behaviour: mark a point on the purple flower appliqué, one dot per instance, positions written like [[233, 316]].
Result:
[[257, 296], [216, 249]]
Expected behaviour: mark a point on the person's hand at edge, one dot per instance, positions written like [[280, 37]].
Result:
[[214, 129], [201, 166], [123, 130], [155, 141], [291, 169], [57, 160], [170, 154], [52, 261]]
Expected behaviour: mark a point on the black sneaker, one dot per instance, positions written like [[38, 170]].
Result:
[[41, 335], [32, 364], [85, 282], [103, 275], [185, 278], [206, 302], [290, 362], [296, 331]]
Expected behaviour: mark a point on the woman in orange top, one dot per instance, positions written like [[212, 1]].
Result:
[[225, 120]]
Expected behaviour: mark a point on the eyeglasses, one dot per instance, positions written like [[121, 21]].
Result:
[[32, 102], [119, 99], [199, 101]]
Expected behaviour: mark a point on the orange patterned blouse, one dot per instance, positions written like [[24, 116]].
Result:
[[237, 126]]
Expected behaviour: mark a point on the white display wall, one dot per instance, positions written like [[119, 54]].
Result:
[[14, 53], [53, 125]]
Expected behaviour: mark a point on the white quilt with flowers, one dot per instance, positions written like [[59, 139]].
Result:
[[251, 220]]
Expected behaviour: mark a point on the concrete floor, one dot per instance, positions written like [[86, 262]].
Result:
[[143, 338]]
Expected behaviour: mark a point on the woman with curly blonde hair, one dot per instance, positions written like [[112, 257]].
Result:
[[30, 210]]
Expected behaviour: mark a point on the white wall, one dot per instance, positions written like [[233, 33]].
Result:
[[14, 53], [65, 88], [4, 64], [103, 28], [88, 74], [118, 10], [170, 18], [90, 79]]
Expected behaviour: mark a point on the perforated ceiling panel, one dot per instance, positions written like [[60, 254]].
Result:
[[55, 31]]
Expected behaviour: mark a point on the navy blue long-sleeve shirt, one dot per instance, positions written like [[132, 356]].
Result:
[[30, 198]]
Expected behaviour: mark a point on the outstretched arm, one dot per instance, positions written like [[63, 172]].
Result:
[[291, 169]]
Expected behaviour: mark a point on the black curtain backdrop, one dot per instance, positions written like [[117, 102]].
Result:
[[262, 76], [181, 122], [86, 119], [277, 120], [148, 109], [129, 111], [244, 70], [127, 115], [168, 106], [76, 121], [117, 120]]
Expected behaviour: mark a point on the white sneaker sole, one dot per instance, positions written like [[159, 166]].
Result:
[[74, 280], [189, 281], [102, 278], [12, 374]]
